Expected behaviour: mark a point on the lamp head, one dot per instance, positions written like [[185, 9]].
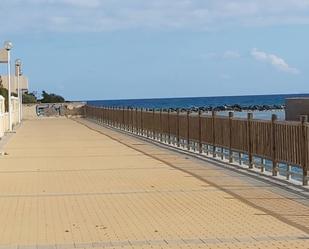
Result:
[[8, 45], [18, 62]]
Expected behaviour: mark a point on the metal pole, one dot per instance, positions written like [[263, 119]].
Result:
[[9, 86], [18, 95]]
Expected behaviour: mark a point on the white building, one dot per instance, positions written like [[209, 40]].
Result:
[[23, 81]]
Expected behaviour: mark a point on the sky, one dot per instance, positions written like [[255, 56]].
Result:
[[122, 49]]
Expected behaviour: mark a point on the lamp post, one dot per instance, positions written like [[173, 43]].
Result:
[[8, 46], [18, 73]]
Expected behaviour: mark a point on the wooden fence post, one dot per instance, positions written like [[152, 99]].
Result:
[[105, 115], [123, 125], [136, 127], [188, 129], [109, 115], [118, 117], [231, 115], [101, 115], [142, 123], [161, 125], [131, 118], [213, 115], [169, 127], [153, 123], [113, 116], [146, 119], [304, 148], [200, 145], [273, 145], [249, 139], [177, 132]]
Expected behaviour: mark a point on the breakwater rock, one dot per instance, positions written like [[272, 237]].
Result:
[[236, 108]]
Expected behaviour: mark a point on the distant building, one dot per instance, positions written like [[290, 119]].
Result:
[[296, 107], [23, 81]]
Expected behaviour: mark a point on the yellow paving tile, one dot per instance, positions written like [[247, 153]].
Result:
[[64, 185]]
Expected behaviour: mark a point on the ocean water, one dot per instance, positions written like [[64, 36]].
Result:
[[206, 102]]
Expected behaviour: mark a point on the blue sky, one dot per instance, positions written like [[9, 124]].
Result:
[[114, 49]]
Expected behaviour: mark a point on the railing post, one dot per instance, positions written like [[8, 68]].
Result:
[[136, 121], [123, 125], [108, 116], [103, 115], [132, 119], [118, 119], [161, 130], [249, 139], [112, 116], [169, 127], [304, 148], [142, 123], [213, 115], [231, 115], [115, 116], [147, 130], [188, 129], [178, 140], [200, 145], [273, 145], [153, 123]]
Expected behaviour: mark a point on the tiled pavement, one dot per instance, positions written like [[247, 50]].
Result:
[[65, 185]]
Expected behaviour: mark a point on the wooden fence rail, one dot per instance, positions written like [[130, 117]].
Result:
[[276, 146]]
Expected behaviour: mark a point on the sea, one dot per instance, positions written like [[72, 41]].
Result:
[[191, 102]]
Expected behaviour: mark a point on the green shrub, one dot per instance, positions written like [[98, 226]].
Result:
[[29, 98], [51, 98]]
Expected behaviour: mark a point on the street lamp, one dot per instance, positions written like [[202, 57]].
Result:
[[8, 45], [18, 73]]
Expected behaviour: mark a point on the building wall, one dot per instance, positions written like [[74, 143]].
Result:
[[23, 80], [295, 107]]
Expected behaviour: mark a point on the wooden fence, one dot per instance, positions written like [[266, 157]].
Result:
[[256, 143]]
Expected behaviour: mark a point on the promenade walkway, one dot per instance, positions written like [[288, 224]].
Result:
[[66, 184]]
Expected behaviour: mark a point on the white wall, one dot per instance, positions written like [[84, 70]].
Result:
[[4, 116], [2, 121]]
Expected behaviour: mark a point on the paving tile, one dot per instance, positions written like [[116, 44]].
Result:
[[77, 188]]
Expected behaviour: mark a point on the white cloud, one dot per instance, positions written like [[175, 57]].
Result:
[[100, 15], [274, 60]]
